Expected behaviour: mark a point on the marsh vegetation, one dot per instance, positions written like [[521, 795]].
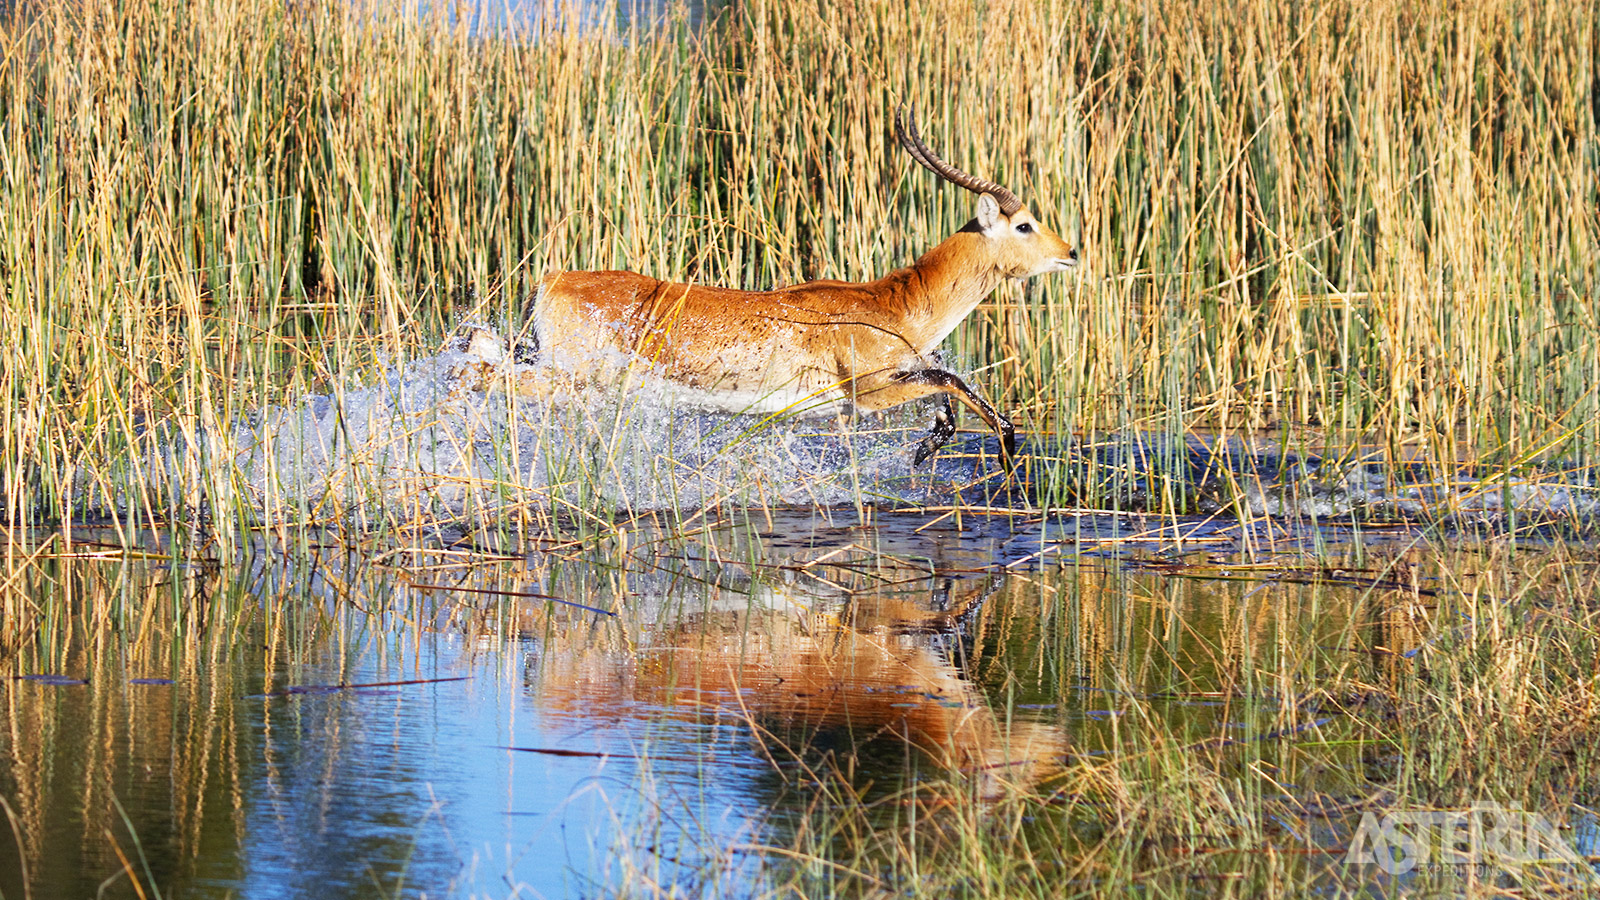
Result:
[[1302, 526]]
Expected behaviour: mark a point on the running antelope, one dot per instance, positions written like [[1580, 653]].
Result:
[[819, 348]]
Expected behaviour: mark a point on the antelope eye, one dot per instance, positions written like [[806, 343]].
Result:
[[1025, 228]]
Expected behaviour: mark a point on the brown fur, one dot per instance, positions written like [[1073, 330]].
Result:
[[818, 348]]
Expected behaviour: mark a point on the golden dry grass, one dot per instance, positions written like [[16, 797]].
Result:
[[1350, 221]]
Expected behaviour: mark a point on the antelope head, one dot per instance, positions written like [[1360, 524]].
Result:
[[1019, 245]]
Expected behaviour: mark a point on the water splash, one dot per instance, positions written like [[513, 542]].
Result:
[[425, 440], [435, 439]]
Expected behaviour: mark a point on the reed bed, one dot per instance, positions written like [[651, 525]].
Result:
[[1347, 223], [1364, 230]]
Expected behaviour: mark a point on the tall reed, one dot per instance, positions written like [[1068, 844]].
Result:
[[1348, 221]]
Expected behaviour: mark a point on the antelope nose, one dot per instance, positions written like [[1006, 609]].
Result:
[[1072, 256]]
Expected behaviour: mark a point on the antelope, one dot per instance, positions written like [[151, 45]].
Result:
[[813, 349]]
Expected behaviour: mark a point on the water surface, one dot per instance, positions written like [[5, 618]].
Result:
[[567, 720], [464, 644]]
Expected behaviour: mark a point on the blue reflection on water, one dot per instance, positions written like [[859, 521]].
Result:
[[372, 791]]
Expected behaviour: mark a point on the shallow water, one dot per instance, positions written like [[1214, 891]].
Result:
[[308, 720], [729, 632]]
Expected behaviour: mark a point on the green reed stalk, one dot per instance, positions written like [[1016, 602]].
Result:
[[1351, 222]]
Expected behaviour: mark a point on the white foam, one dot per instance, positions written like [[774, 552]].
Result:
[[422, 443]]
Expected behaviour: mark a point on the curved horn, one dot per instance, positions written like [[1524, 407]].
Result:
[[906, 130]]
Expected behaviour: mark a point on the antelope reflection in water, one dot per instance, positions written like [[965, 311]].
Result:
[[816, 668]]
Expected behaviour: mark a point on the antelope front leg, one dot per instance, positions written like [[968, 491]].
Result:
[[944, 425], [952, 385]]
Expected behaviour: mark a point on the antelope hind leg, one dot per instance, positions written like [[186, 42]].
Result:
[[490, 373], [540, 383]]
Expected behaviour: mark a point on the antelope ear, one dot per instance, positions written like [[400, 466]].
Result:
[[988, 211]]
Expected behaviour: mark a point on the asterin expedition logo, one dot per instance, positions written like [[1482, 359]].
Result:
[[1486, 837]]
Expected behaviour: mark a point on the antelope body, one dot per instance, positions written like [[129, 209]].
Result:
[[818, 348]]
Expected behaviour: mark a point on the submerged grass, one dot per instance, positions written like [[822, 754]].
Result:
[[1294, 709], [1178, 721], [1349, 223]]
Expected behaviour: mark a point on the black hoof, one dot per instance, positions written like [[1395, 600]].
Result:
[[944, 425]]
